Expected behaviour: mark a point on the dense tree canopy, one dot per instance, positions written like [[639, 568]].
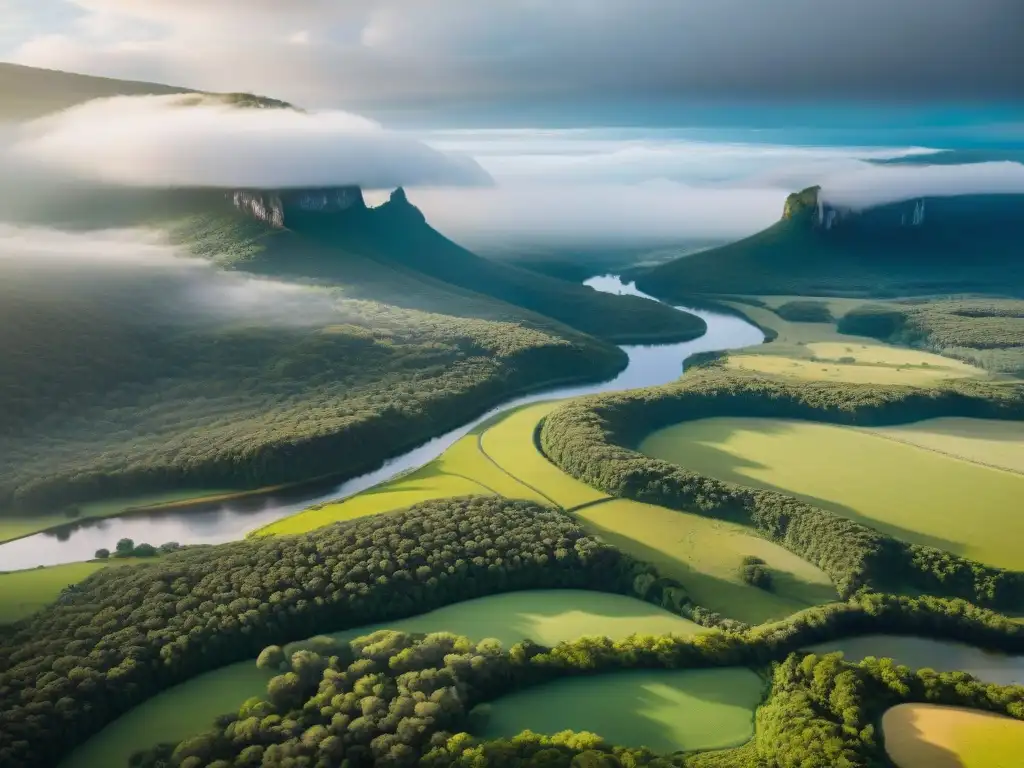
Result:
[[590, 440]]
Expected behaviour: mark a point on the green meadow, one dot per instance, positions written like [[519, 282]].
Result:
[[911, 493], [705, 555], [664, 710], [983, 441], [25, 592], [547, 617]]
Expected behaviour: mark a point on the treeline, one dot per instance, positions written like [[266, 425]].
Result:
[[988, 333], [590, 440], [124, 634], [395, 699], [122, 383]]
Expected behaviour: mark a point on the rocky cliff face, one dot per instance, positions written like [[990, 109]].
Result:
[[277, 207]]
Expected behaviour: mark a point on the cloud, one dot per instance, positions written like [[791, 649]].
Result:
[[615, 187], [362, 52], [874, 185], [169, 141], [140, 268]]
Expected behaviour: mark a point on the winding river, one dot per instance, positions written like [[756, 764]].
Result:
[[649, 365]]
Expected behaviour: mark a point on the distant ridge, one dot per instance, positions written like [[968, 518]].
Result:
[[970, 243]]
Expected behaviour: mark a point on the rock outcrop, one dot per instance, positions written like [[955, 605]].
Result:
[[276, 207]]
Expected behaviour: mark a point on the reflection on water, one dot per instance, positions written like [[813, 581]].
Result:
[[649, 365], [940, 655]]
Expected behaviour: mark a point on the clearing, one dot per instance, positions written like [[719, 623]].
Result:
[[908, 492], [705, 555], [933, 736], [666, 710]]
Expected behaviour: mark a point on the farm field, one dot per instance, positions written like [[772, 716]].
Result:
[[913, 494], [983, 441], [546, 616], [705, 556], [932, 736], [498, 458], [665, 710], [819, 351]]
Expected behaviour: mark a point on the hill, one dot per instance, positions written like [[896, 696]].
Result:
[[29, 92], [124, 379], [924, 246]]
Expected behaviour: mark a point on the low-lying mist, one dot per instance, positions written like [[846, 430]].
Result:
[[140, 272], [179, 141]]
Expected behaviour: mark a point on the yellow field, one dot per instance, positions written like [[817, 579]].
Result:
[[818, 351], [498, 458], [984, 441], [705, 555], [931, 736], [509, 442], [911, 493]]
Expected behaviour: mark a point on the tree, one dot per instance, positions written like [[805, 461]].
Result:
[[125, 547], [102, 554]]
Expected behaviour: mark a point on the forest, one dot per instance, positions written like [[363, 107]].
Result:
[[127, 378], [591, 440], [397, 699], [124, 634]]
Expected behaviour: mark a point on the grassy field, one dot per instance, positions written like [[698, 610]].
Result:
[[705, 555], [932, 736], [510, 443], [499, 457], [911, 493], [663, 710], [819, 351], [24, 592], [175, 714], [983, 441], [549, 617]]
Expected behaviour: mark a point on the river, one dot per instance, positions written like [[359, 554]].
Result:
[[649, 365]]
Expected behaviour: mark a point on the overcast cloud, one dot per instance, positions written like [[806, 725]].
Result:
[[408, 52], [156, 141]]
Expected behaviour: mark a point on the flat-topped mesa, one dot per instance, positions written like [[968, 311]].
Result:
[[276, 207]]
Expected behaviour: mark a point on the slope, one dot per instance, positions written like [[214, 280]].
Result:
[[397, 234], [124, 379], [937, 245]]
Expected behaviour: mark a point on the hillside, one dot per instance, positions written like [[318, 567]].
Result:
[[397, 234], [127, 379], [933, 245], [29, 92]]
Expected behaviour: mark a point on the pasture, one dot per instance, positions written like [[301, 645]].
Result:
[[25, 592], [499, 458], [818, 351], [546, 616], [983, 441], [666, 710], [705, 555], [933, 736], [908, 492]]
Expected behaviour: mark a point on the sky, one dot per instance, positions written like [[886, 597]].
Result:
[[825, 88], [415, 54]]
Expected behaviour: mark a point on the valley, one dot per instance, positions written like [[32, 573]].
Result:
[[289, 478]]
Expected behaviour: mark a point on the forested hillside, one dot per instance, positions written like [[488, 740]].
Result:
[[126, 378], [964, 244]]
